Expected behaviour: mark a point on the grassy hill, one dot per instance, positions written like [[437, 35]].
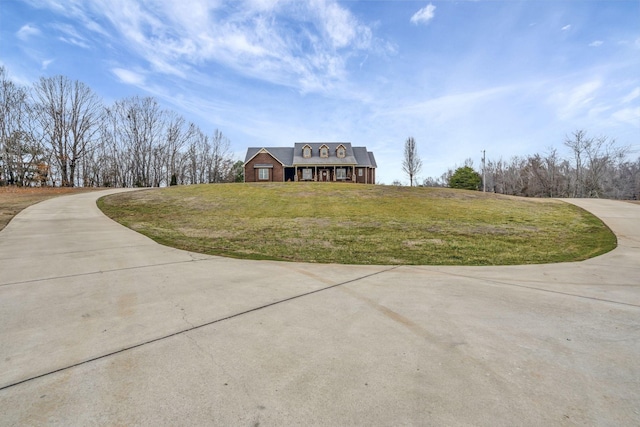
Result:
[[358, 224]]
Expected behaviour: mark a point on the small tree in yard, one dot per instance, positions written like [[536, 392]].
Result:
[[237, 171], [465, 178], [412, 163]]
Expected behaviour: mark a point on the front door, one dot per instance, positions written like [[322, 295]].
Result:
[[324, 175]]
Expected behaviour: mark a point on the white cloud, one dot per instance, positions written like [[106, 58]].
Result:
[[573, 101], [77, 42], [263, 5], [628, 115], [305, 45], [566, 27], [424, 15], [71, 35], [129, 77], [27, 31], [450, 108], [45, 64], [631, 96], [75, 9], [340, 26], [596, 43]]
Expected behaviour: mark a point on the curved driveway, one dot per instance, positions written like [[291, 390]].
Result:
[[101, 326]]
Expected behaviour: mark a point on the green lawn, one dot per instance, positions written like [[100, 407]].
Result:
[[361, 224]]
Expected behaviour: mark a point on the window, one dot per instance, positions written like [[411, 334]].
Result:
[[324, 151], [341, 173], [263, 174], [306, 152], [341, 152], [359, 172], [307, 174]]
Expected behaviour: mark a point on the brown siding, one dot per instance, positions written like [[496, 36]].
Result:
[[251, 173], [277, 172], [368, 176]]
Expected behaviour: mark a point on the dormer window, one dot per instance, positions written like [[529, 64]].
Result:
[[324, 151], [341, 152], [306, 152]]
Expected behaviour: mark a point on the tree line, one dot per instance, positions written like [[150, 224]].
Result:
[[595, 167], [58, 132]]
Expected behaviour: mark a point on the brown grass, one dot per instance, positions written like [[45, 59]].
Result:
[[357, 224]]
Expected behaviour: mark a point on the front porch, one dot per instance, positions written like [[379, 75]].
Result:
[[325, 173]]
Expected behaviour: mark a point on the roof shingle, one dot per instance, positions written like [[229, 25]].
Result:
[[292, 156]]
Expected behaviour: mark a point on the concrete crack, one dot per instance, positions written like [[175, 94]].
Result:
[[184, 315], [194, 327], [91, 273]]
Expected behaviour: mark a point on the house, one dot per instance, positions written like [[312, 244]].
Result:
[[310, 161]]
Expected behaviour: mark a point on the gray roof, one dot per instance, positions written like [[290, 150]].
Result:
[[288, 156], [364, 157], [282, 154], [372, 158], [315, 158]]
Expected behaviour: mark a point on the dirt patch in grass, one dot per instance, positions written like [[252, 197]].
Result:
[[15, 199], [356, 224]]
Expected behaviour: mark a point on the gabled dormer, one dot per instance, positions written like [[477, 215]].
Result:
[[341, 151], [324, 151], [306, 151]]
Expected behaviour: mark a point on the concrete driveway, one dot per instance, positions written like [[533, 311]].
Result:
[[101, 326]]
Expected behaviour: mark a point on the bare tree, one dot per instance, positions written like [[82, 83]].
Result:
[[597, 167], [595, 162], [624, 180], [578, 143], [140, 126], [603, 159], [433, 182], [546, 177], [112, 153], [412, 163], [195, 162], [142, 144], [18, 153], [178, 134], [219, 156], [68, 115], [66, 136]]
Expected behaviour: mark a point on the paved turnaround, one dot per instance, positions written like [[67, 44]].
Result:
[[102, 326]]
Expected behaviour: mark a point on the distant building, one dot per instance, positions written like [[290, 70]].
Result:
[[310, 161]]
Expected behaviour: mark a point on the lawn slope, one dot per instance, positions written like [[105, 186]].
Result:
[[360, 224]]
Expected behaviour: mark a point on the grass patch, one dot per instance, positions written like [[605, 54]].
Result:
[[357, 224]]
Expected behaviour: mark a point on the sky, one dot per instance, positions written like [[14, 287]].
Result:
[[510, 78]]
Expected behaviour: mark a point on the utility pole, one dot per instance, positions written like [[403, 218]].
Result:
[[484, 182]]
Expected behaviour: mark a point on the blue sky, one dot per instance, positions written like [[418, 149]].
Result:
[[509, 77]]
